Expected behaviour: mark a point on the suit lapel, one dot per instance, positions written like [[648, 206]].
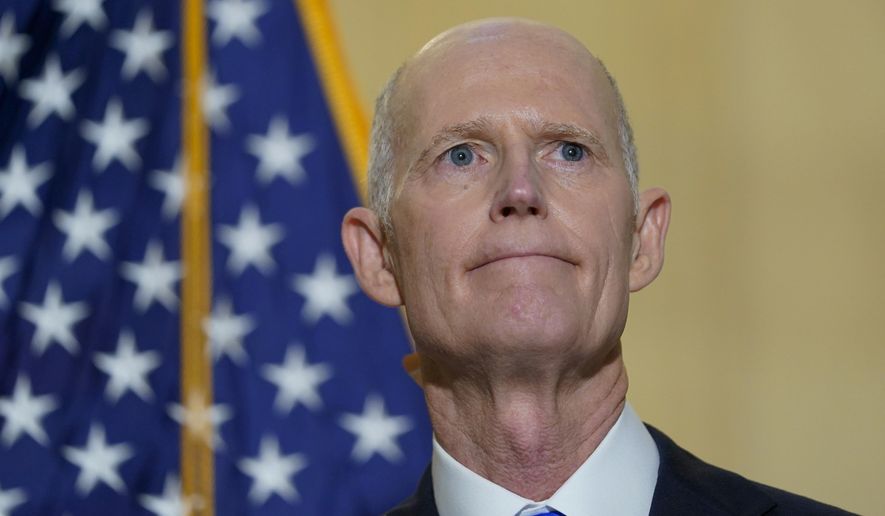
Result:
[[687, 486], [421, 503]]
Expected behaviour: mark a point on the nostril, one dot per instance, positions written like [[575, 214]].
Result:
[[533, 210], [506, 211]]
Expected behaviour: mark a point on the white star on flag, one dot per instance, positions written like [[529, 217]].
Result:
[[170, 503], [19, 183], [10, 499], [84, 228], [154, 278], [376, 432], [297, 381], [78, 12], [98, 461], [8, 267], [249, 242], [279, 153], [325, 291], [216, 99], [236, 19], [114, 137], [143, 47], [51, 93], [201, 419], [54, 320], [171, 184], [23, 412], [226, 330], [271, 472], [12, 47], [127, 369]]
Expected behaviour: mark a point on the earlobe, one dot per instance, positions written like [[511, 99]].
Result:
[[365, 247], [649, 237]]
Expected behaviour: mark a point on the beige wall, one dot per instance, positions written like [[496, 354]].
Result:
[[761, 347]]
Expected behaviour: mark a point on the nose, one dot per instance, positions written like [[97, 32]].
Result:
[[519, 193]]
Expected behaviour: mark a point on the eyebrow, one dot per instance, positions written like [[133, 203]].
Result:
[[483, 126], [451, 134], [575, 133], [564, 131]]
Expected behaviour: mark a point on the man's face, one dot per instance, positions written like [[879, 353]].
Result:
[[513, 217]]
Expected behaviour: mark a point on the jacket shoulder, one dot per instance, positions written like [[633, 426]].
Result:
[[421, 503], [687, 485], [789, 504]]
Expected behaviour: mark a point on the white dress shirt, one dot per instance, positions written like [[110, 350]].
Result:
[[617, 479]]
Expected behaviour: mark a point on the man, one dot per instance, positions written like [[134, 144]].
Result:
[[505, 218]]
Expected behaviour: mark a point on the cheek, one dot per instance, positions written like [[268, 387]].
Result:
[[436, 245], [599, 225], [615, 296], [606, 221], [424, 254]]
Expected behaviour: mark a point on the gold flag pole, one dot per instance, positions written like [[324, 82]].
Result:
[[197, 464]]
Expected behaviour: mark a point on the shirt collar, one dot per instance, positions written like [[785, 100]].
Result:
[[617, 479]]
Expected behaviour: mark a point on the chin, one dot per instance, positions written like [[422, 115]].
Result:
[[532, 324], [531, 307]]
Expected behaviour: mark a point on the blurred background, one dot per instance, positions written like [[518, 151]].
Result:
[[165, 346], [761, 347]]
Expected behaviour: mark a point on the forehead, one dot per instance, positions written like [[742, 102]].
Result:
[[503, 71]]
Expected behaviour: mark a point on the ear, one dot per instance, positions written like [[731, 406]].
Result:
[[648, 237], [364, 244]]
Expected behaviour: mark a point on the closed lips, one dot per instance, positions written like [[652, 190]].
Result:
[[516, 255]]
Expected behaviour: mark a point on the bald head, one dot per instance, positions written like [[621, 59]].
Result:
[[502, 35], [465, 56], [495, 31]]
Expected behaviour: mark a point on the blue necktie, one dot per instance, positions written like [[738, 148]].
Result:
[[554, 513]]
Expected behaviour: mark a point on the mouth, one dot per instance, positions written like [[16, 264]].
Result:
[[517, 256]]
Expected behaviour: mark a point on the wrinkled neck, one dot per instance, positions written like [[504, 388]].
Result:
[[527, 435]]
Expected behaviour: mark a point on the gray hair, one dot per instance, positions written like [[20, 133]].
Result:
[[385, 134]]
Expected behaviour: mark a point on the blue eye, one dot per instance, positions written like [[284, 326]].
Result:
[[461, 155], [571, 151]]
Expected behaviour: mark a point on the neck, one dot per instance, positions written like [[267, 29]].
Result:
[[526, 436]]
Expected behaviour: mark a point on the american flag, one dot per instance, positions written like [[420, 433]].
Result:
[[310, 410]]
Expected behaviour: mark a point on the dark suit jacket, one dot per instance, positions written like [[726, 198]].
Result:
[[686, 486]]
